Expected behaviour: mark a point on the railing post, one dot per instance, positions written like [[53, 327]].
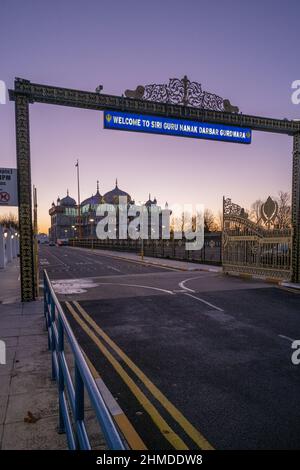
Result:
[[48, 296], [46, 308], [52, 340], [45, 297], [79, 403], [79, 395], [61, 382]]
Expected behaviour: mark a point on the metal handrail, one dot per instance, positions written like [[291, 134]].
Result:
[[71, 395]]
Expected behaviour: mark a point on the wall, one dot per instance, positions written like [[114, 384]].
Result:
[[9, 245]]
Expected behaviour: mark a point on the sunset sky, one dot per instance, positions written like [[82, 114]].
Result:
[[244, 51]]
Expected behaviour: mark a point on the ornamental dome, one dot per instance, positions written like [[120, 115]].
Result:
[[112, 197], [150, 203], [67, 201], [94, 199]]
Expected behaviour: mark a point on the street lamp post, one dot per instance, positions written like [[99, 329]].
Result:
[[79, 208], [92, 235], [74, 228]]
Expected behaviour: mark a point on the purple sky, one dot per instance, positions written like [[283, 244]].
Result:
[[244, 51]]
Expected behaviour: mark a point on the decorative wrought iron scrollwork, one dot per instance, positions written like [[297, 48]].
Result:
[[158, 93], [255, 248], [182, 92], [269, 211], [230, 208]]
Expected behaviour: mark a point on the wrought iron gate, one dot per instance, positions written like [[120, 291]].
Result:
[[260, 249]]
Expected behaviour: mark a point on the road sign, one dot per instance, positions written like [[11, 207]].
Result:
[[8, 187], [178, 127]]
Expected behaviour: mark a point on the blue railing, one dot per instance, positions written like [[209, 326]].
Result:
[[71, 395]]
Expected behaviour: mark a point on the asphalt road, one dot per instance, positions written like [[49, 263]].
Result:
[[194, 359]]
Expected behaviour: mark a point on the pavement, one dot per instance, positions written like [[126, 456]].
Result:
[[10, 283], [195, 359], [25, 384], [28, 396]]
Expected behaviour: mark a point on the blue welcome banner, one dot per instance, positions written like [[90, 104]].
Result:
[[179, 127]]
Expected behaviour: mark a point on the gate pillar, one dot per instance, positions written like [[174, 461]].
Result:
[[25, 203], [296, 210]]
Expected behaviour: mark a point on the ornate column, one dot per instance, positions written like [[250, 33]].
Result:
[[25, 202], [296, 209]]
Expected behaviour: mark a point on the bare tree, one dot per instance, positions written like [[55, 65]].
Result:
[[283, 219], [255, 211], [9, 220], [196, 219], [209, 221], [177, 223], [182, 222], [219, 221], [172, 225]]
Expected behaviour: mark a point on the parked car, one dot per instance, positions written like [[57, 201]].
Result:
[[62, 242], [51, 244]]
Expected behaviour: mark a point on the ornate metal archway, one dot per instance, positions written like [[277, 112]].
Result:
[[178, 99]]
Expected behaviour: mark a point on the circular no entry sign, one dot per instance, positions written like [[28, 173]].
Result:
[[4, 197]]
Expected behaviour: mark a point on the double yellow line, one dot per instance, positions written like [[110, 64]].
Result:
[[94, 332]]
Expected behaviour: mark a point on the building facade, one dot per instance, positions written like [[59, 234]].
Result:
[[70, 221]]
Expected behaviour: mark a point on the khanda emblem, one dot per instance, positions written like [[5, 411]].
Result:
[[108, 117], [269, 211]]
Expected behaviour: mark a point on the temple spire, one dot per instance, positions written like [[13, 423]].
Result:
[[116, 182], [97, 186], [67, 192]]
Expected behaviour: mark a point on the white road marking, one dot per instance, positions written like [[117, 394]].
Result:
[[60, 261], [287, 337], [115, 269], [181, 284], [85, 257], [44, 261], [205, 302], [84, 263], [73, 286], [123, 258], [137, 285]]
